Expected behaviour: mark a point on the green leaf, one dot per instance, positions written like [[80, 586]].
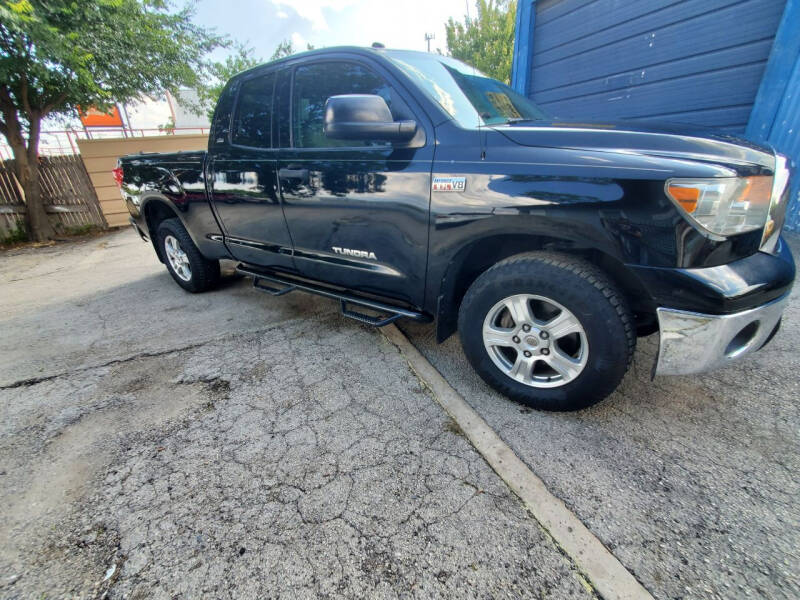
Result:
[[61, 54], [487, 40]]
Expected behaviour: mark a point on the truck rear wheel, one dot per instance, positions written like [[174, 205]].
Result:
[[549, 330], [190, 269]]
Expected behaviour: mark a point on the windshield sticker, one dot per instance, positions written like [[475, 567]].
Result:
[[503, 104]]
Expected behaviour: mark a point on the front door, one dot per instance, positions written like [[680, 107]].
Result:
[[357, 211], [244, 181]]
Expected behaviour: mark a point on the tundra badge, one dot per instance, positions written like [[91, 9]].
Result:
[[358, 253]]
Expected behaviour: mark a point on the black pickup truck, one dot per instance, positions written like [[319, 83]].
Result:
[[407, 184]]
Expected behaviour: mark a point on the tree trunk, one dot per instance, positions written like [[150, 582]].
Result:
[[26, 157], [37, 223], [26, 163]]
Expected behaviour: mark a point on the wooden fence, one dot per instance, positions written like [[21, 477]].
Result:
[[68, 194], [100, 157]]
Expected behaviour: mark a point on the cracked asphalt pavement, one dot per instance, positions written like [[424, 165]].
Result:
[[157, 444], [692, 482]]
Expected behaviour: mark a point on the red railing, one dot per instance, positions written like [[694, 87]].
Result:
[[64, 141]]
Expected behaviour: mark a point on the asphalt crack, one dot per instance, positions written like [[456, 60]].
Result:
[[337, 478]]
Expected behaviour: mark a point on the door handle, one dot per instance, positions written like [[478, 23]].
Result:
[[294, 172]]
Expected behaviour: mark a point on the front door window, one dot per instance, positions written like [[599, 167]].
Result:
[[314, 84]]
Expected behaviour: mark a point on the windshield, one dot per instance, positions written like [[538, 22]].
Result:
[[465, 93]]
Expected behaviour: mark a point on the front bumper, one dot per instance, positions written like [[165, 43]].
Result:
[[695, 342], [731, 288]]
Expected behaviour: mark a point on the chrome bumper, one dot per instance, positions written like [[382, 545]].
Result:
[[693, 342]]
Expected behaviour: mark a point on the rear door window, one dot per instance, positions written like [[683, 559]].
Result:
[[253, 121], [280, 119]]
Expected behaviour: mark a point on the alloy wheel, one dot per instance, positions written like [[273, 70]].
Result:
[[535, 340], [177, 258]]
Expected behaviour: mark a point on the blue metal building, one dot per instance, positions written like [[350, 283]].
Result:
[[731, 64]]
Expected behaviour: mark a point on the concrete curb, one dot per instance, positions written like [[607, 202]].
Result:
[[609, 578]]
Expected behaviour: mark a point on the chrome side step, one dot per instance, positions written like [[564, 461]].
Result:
[[276, 284]]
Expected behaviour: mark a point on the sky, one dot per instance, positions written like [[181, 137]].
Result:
[[263, 24]]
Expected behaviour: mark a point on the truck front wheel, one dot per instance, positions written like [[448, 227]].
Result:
[[549, 330], [190, 269]]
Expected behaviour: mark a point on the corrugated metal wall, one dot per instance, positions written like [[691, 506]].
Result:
[[776, 112], [694, 61], [786, 138]]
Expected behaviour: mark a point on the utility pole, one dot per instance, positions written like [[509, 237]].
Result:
[[428, 38]]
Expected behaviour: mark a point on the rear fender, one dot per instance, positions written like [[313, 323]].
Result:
[[193, 211], [156, 208]]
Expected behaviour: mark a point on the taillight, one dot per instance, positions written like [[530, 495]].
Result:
[[117, 173]]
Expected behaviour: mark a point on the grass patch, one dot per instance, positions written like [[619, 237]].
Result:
[[454, 427], [18, 235], [76, 230]]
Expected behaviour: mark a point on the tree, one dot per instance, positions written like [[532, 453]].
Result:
[[59, 55], [286, 48], [486, 41], [219, 73], [169, 126]]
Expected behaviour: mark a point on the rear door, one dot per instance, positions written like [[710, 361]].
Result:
[[357, 211], [244, 181]]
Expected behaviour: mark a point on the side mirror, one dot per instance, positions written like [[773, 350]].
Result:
[[364, 117]]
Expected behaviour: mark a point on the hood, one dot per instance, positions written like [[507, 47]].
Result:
[[654, 139]]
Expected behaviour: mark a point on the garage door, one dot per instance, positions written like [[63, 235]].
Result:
[[693, 61]]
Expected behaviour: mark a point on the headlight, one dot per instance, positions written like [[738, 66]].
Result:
[[726, 205], [777, 207]]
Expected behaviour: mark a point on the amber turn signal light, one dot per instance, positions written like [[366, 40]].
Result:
[[686, 196], [756, 189]]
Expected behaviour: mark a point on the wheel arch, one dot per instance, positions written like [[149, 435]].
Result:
[[479, 255], [157, 209]]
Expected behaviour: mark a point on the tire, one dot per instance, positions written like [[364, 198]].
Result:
[[571, 368], [191, 270]]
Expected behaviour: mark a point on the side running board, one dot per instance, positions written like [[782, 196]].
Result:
[[278, 285], [367, 319], [259, 284]]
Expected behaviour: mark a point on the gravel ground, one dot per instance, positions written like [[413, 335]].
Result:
[[692, 482], [156, 444]]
